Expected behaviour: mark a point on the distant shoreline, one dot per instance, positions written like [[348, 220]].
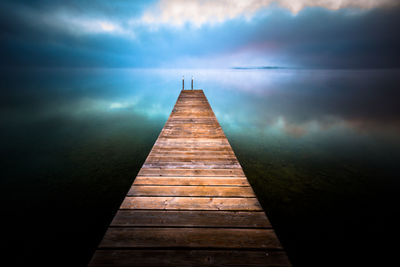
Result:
[[259, 68]]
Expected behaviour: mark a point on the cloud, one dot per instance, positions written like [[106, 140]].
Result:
[[79, 24], [66, 19], [83, 35], [296, 6], [82, 25], [200, 12]]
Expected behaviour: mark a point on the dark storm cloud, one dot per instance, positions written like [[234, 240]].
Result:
[[321, 38], [118, 34]]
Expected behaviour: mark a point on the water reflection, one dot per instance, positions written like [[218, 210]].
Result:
[[317, 146], [303, 101], [295, 102]]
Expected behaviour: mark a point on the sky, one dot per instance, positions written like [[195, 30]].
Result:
[[200, 34]]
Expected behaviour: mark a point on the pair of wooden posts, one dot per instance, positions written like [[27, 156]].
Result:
[[183, 82]]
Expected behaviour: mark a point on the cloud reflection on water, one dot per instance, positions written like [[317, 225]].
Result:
[[303, 101], [286, 101]]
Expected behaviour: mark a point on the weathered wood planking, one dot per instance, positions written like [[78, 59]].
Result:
[[190, 172], [190, 191], [135, 237], [190, 204], [174, 258], [191, 181], [170, 218]]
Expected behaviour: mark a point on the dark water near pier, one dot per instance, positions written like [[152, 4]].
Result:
[[320, 147]]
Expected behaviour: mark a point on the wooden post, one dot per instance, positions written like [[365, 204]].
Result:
[[192, 82], [183, 82]]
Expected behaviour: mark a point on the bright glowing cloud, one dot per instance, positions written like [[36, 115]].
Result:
[[84, 25], [79, 24], [199, 12], [119, 105]]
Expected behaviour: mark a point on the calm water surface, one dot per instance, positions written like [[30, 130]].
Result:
[[320, 147]]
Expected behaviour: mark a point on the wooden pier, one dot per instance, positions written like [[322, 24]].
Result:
[[190, 204]]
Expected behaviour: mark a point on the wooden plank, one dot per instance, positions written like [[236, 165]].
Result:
[[192, 141], [194, 136], [154, 218], [190, 238], [190, 203], [183, 181], [193, 122], [193, 154], [192, 165], [192, 131], [189, 132], [189, 149], [191, 191], [179, 149], [173, 258], [184, 142], [190, 172], [191, 158]]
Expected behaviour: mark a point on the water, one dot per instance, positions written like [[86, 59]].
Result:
[[320, 148]]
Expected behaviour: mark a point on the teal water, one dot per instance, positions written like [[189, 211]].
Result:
[[320, 148]]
